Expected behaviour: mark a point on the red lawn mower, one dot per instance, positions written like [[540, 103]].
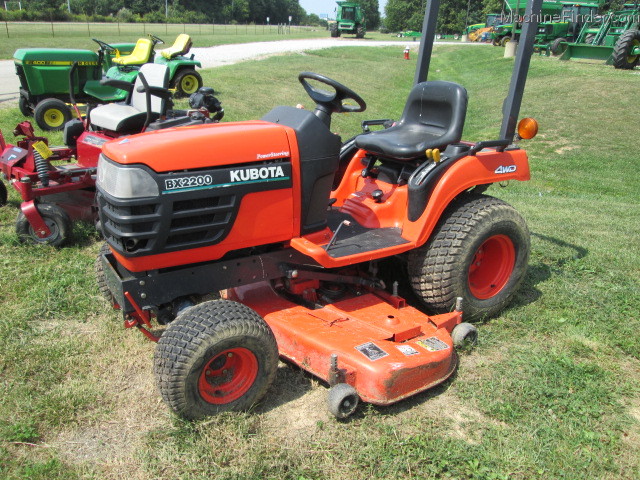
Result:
[[55, 194], [297, 232]]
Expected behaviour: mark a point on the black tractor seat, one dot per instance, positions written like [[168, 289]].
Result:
[[433, 117]]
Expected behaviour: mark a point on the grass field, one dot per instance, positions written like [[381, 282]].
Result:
[[14, 35], [552, 390]]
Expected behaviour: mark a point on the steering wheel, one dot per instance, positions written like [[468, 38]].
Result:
[[155, 39], [332, 102], [104, 46]]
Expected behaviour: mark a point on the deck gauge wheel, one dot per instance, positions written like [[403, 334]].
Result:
[[342, 400]]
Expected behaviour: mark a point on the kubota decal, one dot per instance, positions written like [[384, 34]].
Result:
[[262, 173]]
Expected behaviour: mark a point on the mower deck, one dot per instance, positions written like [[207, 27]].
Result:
[[385, 349]]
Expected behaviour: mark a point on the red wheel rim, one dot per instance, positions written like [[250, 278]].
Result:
[[491, 267], [228, 376]]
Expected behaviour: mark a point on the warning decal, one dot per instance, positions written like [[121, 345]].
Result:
[[433, 344], [371, 351], [407, 350]]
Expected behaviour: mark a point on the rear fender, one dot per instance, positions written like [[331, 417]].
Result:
[[470, 171]]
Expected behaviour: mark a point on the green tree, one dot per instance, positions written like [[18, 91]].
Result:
[[371, 12], [409, 14]]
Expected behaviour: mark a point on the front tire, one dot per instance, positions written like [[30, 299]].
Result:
[[25, 108], [218, 356], [54, 217], [187, 82], [622, 57], [504, 41], [101, 280], [479, 252], [3, 194], [558, 46], [51, 114], [360, 32]]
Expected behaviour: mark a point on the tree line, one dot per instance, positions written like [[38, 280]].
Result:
[[159, 11], [177, 11]]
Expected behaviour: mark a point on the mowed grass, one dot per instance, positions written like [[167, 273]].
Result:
[[551, 391], [78, 35]]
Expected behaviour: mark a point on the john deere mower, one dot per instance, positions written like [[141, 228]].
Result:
[[250, 209], [44, 73], [55, 194]]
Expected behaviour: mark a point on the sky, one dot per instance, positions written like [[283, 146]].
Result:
[[328, 6]]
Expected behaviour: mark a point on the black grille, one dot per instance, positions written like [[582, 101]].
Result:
[[183, 218], [166, 226]]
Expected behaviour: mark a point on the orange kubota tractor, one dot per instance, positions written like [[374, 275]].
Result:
[[295, 230]]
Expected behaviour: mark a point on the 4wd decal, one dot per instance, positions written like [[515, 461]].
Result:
[[505, 169]]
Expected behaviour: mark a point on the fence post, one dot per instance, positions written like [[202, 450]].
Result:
[[6, 25], [118, 28], [88, 29], [53, 33]]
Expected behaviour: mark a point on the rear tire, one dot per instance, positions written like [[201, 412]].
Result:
[[187, 82], [479, 251], [621, 56], [51, 114], [333, 30], [218, 356], [55, 218], [360, 32]]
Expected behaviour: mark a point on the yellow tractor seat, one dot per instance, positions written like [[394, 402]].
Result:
[[181, 46], [140, 54]]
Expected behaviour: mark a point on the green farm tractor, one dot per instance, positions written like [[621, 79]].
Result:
[[45, 81], [565, 21], [553, 36], [349, 20], [613, 38]]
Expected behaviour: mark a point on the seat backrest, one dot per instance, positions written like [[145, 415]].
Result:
[[433, 117], [139, 55], [156, 75], [438, 108], [181, 46]]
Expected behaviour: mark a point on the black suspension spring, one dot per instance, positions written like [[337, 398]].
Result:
[[42, 167]]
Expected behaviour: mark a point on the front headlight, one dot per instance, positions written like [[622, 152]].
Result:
[[125, 182]]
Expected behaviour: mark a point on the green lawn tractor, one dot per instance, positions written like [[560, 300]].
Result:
[[613, 38], [349, 20], [44, 75]]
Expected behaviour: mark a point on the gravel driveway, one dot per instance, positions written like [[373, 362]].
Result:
[[222, 55]]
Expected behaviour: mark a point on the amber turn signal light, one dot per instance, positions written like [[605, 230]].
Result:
[[527, 128]]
